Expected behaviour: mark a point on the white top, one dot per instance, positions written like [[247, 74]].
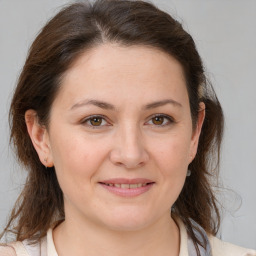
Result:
[[47, 247]]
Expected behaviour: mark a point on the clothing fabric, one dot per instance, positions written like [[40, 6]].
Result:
[[214, 247]]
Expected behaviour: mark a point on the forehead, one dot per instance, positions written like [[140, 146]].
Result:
[[129, 59], [112, 69]]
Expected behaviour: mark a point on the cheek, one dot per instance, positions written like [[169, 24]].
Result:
[[172, 157], [77, 158], [173, 153]]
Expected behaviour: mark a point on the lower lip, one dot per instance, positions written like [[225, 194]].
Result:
[[127, 192]]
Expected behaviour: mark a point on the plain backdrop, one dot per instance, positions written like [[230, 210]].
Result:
[[225, 34]]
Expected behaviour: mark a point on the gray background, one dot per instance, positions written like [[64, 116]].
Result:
[[225, 33]]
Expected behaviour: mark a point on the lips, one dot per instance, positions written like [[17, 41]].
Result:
[[123, 185], [127, 187]]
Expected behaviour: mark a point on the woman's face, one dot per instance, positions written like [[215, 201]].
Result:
[[120, 136]]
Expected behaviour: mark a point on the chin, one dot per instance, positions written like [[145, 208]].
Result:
[[128, 221]]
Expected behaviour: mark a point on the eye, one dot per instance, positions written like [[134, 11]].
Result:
[[160, 120], [95, 121]]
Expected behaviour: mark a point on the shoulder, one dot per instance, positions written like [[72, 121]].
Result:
[[26, 248], [13, 249], [220, 248], [6, 250]]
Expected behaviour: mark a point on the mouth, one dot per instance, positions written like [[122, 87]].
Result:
[[126, 187]]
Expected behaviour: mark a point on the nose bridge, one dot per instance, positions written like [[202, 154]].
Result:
[[129, 149], [131, 141]]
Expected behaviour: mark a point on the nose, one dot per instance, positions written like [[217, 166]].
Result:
[[128, 149]]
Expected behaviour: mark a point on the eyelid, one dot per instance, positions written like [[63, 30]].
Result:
[[170, 119], [86, 119]]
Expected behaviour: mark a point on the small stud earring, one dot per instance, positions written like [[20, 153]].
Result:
[[188, 173], [45, 160]]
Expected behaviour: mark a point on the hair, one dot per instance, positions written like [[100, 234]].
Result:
[[75, 29]]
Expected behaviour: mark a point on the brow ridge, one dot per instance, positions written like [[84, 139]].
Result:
[[162, 103], [108, 106], [98, 103]]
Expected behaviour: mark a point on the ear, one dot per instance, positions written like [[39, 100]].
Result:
[[197, 131], [39, 137]]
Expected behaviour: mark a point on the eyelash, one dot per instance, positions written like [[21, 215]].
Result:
[[90, 118], [169, 121]]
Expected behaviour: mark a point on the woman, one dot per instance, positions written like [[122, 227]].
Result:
[[117, 126]]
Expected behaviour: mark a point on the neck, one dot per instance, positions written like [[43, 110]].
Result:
[[75, 238]]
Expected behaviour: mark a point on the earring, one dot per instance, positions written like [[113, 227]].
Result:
[[45, 160], [188, 173]]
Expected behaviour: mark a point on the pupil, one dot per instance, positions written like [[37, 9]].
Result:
[[96, 121], [158, 120]]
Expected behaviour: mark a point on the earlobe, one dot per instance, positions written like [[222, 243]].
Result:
[[39, 137]]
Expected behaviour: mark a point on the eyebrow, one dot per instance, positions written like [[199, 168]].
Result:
[[162, 103], [97, 103], [108, 106]]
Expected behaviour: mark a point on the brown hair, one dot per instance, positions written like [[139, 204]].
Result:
[[73, 30]]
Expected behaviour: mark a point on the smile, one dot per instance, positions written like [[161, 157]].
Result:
[[125, 186]]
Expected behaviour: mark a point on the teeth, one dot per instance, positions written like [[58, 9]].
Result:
[[134, 185], [125, 186]]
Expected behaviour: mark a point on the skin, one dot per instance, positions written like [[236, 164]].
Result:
[[129, 143]]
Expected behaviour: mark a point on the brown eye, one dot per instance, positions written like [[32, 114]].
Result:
[[158, 120], [96, 121], [161, 120]]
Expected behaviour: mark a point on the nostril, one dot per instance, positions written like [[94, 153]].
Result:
[[128, 158], [119, 163]]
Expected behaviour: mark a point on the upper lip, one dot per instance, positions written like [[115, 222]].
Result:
[[127, 181]]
